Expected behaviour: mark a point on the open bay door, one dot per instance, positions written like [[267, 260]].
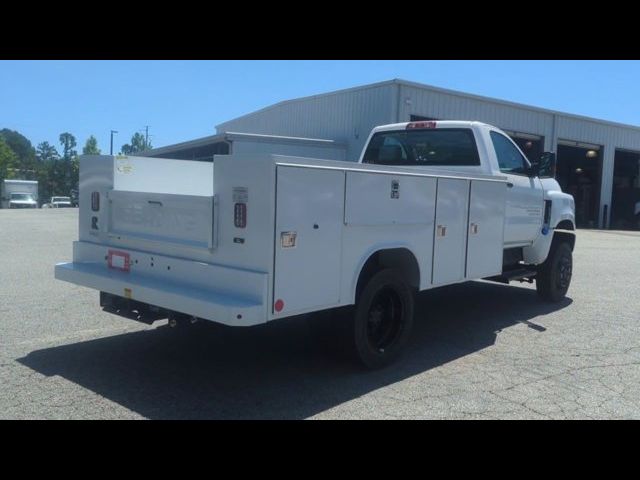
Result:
[[309, 220]]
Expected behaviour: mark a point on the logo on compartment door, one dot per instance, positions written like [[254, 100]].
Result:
[[395, 189], [288, 239], [123, 165]]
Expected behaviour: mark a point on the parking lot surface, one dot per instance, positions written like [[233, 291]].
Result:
[[478, 350]]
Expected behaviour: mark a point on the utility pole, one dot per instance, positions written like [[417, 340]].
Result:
[[146, 137], [111, 150]]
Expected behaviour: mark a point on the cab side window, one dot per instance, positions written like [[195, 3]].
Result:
[[510, 159]]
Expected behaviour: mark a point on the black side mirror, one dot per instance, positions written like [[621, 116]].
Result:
[[548, 163], [545, 167]]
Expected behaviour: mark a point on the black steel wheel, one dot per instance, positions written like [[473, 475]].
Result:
[[554, 275], [383, 319]]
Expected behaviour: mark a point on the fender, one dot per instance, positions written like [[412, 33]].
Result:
[[381, 247], [561, 218]]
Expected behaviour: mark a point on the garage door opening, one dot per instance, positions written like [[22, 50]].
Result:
[[579, 173], [625, 200]]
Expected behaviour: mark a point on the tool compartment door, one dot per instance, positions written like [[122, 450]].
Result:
[[450, 240], [308, 238], [486, 228]]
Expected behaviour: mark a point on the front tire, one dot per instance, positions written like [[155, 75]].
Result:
[[554, 275], [383, 319]]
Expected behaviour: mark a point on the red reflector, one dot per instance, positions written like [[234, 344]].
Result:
[[119, 260], [240, 215], [279, 305], [417, 125]]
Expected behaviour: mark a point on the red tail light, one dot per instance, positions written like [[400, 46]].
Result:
[[95, 201], [240, 215], [419, 125]]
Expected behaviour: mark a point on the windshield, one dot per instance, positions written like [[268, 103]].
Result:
[[61, 199], [28, 197], [442, 146]]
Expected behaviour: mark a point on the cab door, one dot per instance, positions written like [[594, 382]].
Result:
[[525, 202]]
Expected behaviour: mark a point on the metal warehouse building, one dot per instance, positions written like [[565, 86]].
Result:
[[598, 161]]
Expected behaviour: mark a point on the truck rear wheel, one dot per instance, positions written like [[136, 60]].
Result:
[[383, 319], [554, 275]]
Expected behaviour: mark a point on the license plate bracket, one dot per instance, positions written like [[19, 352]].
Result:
[[119, 260]]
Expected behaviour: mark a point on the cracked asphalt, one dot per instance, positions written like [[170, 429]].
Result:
[[478, 351]]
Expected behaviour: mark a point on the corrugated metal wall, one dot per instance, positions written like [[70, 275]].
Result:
[[297, 150], [348, 116], [436, 104]]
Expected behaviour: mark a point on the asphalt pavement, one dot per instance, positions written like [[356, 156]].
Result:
[[478, 350]]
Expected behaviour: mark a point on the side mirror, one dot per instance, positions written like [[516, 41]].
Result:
[[545, 167]]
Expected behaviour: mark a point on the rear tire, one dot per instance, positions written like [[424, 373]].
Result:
[[383, 319], [554, 275]]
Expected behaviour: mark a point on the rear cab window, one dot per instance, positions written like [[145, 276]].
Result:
[[437, 147]]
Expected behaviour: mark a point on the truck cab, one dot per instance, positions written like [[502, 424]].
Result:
[[22, 200], [535, 203]]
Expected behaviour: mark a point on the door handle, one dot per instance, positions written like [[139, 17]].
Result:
[[509, 185]]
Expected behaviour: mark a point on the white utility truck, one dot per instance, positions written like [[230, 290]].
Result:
[[249, 239], [19, 194], [58, 202]]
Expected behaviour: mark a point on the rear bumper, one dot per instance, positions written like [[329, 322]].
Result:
[[225, 295]]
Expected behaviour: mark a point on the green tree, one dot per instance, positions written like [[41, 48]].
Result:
[[47, 168], [24, 151], [46, 152], [138, 144], [8, 160], [62, 173], [91, 147], [68, 143]]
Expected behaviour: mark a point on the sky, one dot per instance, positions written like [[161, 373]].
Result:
[[183, 100]]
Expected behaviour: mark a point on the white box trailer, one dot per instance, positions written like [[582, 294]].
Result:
[[19, 194], [254, 238]]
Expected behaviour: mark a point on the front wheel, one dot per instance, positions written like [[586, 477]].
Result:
[[554, 275], [383, 319]]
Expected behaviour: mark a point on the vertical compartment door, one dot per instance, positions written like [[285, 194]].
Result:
[[450, 236], [308, 239], [486, 228]]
